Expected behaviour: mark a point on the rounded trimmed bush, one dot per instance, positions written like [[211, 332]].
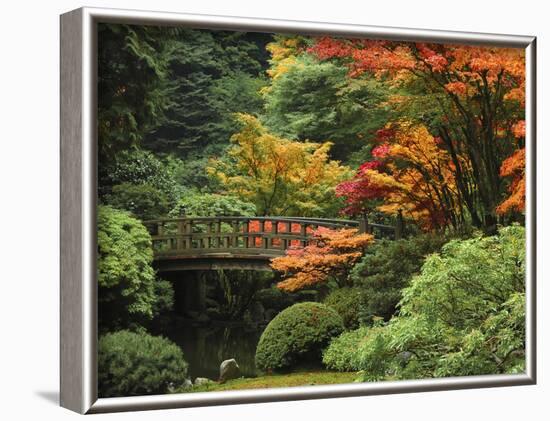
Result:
[[131, 364], [297, 334]]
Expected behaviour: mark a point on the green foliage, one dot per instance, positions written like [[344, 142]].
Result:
[[212, 204], [342, 353], [164, 293], [319, 102], [143, 200], [282, 177], [298, 333], [140, 167], [274, 298], [504, 331], [238, 288], [132, 364], [387, 268], [212, 75], [347, 302], [132, 84], [125, 276], [463, 315]]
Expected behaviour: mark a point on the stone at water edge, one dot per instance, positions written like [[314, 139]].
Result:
[[229, 369], [199, 381]]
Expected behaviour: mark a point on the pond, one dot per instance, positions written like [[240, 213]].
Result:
[[205, 347]]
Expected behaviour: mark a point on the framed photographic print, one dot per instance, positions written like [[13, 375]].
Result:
[[257, 210]]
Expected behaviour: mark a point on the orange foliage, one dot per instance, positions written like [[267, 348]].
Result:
[[414, 174], [485, 98], [329, 253], [514, 166], [519, 129], [464, 64]]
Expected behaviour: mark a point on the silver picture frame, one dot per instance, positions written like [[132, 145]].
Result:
[[78, 365]]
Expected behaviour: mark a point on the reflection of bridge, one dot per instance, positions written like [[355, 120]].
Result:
[[197, 243]]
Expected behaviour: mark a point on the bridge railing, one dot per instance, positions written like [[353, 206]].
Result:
[[191, 236]]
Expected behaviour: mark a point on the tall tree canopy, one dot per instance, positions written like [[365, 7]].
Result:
[[212, 75], [280, 176], [471, 98], [132, 84], [317, 101]]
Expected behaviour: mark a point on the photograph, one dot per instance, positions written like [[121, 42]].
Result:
[[278, 210]]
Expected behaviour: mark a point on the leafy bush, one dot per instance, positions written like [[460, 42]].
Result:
[[347, 302], [341, 354], [388, 267], [125, 276], [131, 364], [297, 334], [211, 204], [274, 298], [463, 315], [164, 297], [143, 200], [140, 167]]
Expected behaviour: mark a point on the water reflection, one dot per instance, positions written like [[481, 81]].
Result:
[[205, 347]]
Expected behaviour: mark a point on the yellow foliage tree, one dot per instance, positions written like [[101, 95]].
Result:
[[423, 177], [514, 167], [331, 253], [282, 177], [283, 51]]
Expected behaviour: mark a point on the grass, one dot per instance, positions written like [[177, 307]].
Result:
[[305, 378]]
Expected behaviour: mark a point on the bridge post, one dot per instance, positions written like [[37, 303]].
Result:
[[187, 230], [246, 232], [235, 237], [364, 226], [180, 243], [218, 231], [274, 232], [303, 233], [399, 225], [288, 230]]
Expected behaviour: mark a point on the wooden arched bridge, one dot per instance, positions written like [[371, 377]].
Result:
[[206, 243]]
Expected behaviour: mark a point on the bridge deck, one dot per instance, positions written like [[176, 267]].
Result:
[[193, 243]]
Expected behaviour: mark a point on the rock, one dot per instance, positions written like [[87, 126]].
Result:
[[229, 369], [404, 357], [200, 381], [187, 384]]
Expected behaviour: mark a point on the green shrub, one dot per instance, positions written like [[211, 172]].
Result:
[[274, 298], [387, 268], [131, 364], [125, 276], [139, 167], [143, 200], [342, 353], [464, 314], [298, 334], [164, 297], [211, 204], [347, 302]]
